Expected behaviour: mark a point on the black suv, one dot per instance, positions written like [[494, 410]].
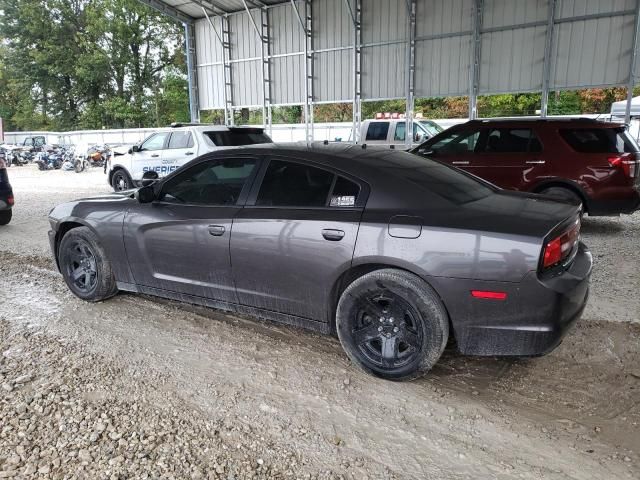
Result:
[[6, 193]]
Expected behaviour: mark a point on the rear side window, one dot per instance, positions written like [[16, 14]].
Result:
[[235, 138], [512, 140], [289, 184], [377, 131], [181, 140], [599, 140]]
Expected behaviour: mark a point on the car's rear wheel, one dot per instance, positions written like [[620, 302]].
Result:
[[392, 324], [564, 194], [85, 267], [121, 181], [5, 216]]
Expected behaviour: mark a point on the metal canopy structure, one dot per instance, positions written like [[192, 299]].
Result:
[[266, 53]]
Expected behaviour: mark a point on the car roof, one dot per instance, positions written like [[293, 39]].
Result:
[[564, 122]]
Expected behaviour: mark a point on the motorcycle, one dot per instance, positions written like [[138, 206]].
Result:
[[52, 160], [96, 157]]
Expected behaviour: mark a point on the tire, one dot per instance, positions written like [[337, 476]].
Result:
[[392, 324], [5, 216], [78, 166], [85, 267], [121, 181], [563, 194]]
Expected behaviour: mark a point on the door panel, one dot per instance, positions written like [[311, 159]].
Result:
[[149, 157], [286, 259], [181, 248], [510, 158]]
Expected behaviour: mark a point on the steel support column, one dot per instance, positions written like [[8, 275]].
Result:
[[355, 14], [548, 48], [307, 29], [632, 64], [410, 72], [265, 55], [474, 71], [226, 65], [192, 74], [262, 33]]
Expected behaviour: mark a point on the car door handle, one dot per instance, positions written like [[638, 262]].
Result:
[[189, 153], [461, 163], [216, 230], [332, 234], [535, 162], [155, 155]]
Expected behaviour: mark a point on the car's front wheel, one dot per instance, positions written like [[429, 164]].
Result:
[[392, 324], [5, 216], [121, 181], [85, 267]]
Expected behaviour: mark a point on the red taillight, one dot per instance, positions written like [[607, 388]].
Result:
[[560, 247], [625, 162], [10, 200], [489, 295]]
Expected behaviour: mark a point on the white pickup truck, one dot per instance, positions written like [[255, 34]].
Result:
[[168, 149], [392, 131]]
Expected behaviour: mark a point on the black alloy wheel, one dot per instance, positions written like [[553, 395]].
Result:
[[392, 324]]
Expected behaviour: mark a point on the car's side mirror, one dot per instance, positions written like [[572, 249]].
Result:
[[135, 148], [145, 194], [149, 178]]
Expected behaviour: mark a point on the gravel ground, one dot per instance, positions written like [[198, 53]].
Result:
[[137, 387]]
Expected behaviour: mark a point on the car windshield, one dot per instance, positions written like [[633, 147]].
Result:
[[235, 138], [447, 182]]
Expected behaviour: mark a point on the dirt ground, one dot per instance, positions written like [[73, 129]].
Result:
[[137, 387]]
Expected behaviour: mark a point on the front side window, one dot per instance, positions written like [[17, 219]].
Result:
[[154, 142], [512, 140], [181, 140], [289, 184], [401, 128], [217, 182], [377, 131], [456, 142], [432, 128]]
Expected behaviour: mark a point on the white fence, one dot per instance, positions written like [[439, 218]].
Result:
[[294, 132], [280, 133]]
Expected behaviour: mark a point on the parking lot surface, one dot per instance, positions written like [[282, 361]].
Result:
[[141, 387]]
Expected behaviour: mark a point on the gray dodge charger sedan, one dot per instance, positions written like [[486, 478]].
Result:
[[394, 253]]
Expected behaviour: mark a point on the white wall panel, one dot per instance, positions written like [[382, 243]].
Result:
[[437, 17], [383, 71], [592, 52], [333, 78], [512, 60], [442, 66]]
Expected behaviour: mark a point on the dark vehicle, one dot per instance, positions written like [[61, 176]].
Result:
[[583, 161], [394, 253], [6, 194]]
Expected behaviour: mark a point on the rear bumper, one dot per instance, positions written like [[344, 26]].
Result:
[[52, 246], [614, 207], [533, 319]]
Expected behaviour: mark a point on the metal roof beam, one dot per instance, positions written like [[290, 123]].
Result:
[[169, 11]]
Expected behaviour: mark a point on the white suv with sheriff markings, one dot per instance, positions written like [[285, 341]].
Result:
[[168, 149]]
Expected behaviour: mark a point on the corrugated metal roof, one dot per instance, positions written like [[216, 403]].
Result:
[[590, 45], [193, 8]]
